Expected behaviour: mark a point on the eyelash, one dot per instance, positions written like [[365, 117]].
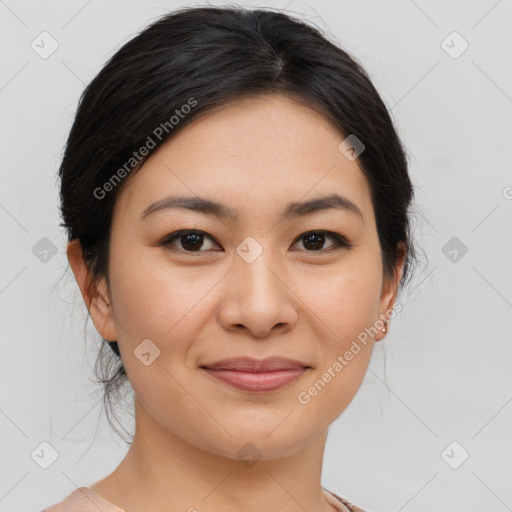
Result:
[[340, 242]]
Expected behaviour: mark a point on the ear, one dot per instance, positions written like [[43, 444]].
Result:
[[389, 291], [96, 297]]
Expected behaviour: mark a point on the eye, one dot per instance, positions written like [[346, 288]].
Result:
[[314, 240], [192, 240]]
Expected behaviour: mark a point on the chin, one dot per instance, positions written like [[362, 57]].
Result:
[[251, 444]]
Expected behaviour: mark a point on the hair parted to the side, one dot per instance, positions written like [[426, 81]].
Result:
[[215, 55]]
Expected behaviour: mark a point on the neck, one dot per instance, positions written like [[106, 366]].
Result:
[[163, 472]]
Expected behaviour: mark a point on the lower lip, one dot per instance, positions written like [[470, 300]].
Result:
[[261, 381]]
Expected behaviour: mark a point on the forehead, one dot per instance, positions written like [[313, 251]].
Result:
[[253, 155]]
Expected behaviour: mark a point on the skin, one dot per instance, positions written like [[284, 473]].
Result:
[[255, 156]]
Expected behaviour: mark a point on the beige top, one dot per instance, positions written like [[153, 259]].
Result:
[[85, 500]]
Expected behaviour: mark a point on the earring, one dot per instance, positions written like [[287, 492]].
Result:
[[384, 329]]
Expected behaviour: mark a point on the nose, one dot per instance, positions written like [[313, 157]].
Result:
[[257, 299]]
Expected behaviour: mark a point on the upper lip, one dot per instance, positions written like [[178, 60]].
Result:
[[249, 364]]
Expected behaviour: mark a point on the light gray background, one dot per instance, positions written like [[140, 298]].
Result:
[[447, 358]]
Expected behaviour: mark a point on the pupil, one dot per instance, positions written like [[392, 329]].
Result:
[[196, 243], [319, 238]]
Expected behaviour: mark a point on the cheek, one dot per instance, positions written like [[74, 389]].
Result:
[[345, 310], [345, 297], [161, 302], [155, 298]]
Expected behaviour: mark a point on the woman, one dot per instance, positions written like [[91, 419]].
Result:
[[236, 201]]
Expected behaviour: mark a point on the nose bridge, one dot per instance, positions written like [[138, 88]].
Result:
[[256, 295], [256, 277]]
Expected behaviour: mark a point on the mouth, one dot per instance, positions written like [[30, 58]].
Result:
[[254, 375]]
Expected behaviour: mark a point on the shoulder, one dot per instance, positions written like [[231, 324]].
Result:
[[347, 504], [83, 500]]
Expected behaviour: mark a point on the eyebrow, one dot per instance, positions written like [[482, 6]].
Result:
[[292, 210]]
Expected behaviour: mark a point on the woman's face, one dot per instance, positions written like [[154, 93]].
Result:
[[250, 285]]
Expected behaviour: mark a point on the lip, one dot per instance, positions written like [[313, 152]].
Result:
[[255, 375]]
